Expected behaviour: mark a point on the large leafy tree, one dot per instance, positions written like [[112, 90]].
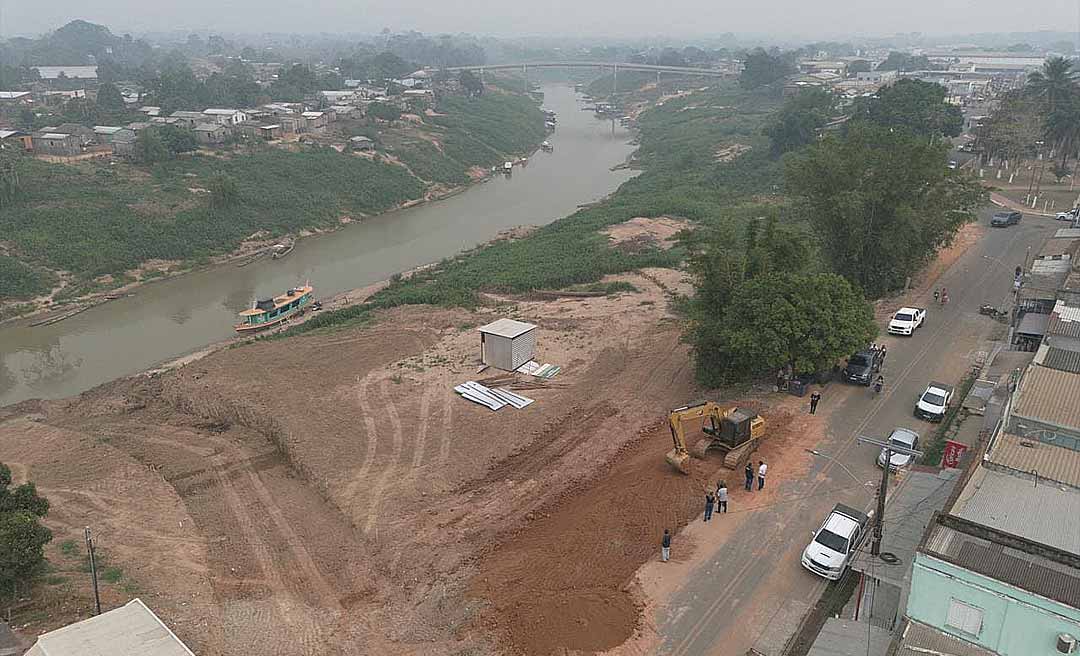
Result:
[[22, 536], [807, 321], [913, 105], [470, 83], [796, 123], [1011, 130], [761, 68], [882, 202], [109, 98]]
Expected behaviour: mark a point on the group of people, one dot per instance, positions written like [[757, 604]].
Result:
[[718, 502], [941, 296]]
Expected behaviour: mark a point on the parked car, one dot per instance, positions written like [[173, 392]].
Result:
[[1005, 218], [901, 437], [862, 366], [830, 552], [1069, 215], [906, 321], [934, 402]]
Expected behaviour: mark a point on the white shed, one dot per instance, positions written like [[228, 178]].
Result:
[[507, 344]]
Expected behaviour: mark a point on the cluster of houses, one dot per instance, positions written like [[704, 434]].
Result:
[[968, 76]]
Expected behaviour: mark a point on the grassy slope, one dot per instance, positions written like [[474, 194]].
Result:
[[96, 218], [681, 177]]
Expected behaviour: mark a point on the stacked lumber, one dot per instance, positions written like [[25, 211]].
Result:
[[492, 398]]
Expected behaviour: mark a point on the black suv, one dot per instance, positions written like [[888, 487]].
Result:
[[1006, 218], [862, 366]]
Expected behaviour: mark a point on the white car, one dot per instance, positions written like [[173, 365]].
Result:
[[906, 321], [1069, 215], [835, 542], [901, 437], [934, 402]]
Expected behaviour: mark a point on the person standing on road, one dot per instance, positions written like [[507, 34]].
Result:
[[884, 352], [762, 468], [709, 500], [749, 476], [721, 497], [665, 546], [815, 398], [937, 295]]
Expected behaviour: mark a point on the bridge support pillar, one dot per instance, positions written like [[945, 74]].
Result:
[[614, 79]]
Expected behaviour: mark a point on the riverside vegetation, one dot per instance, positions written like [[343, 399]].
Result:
[[769, 233], [95, 219]]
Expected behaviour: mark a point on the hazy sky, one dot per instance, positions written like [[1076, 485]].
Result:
[[554, 17]]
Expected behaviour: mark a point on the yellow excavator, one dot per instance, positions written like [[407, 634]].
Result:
[[733, 430]]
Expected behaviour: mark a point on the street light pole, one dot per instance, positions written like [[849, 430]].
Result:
[[879, 520]]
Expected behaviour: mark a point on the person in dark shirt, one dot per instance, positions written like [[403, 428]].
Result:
[[709, 501], [665, 546], [749, 476]]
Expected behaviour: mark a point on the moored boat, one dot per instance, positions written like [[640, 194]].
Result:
[[274, 311], [546, 147], [283, 249]]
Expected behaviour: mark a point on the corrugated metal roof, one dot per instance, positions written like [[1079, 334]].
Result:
[[1049, 396], [1055, 246], [1058, 358], [1028, 571], [921, 639], [130, 630], [1017, 505], [507, 328], [1025, 455], [1067, 233], [53, 135]]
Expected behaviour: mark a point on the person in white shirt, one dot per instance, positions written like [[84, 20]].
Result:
[[721, 497], [762, 468]]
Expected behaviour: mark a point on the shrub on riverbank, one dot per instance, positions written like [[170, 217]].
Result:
[[21, 281]]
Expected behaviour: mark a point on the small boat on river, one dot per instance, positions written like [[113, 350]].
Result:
[[283, 249], [546, 147], [277, 310]]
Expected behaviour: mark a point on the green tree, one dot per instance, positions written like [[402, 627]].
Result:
[[26, 119], [807, 321], [10, 163], [882, 202], [22, 536], [109, 98], [1054, 84], [224, 193], [383, 111], [761, 69], [150, 148], [472, 84], [901, 61], [859, 66], [913, 105], [176, 139], [797, 122]]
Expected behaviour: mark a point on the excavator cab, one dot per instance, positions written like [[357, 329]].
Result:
[[733, 430]]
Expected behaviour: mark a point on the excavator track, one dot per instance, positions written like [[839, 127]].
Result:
[[736, 457]]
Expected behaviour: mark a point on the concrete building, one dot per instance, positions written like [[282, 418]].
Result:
[[130, 630], [876, 77], [507, 344]]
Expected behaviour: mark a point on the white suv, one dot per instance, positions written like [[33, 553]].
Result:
[[835, 542], [906, 321]]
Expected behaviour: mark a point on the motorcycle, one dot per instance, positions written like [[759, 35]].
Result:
[[992, 312]]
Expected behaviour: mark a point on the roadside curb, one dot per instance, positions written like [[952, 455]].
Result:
[[1001, 201]]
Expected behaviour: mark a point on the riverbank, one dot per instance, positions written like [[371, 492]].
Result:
[[77, 231]]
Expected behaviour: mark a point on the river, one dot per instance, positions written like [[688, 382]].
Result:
[[171, 318]]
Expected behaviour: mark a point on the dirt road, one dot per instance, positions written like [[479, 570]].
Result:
[[747, 589]]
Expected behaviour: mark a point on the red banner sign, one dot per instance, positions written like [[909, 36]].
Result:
[[954, 451]]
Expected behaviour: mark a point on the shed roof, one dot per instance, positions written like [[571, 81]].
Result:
[[130, 630], [1025, 455], [839, 637], [919, 638], [1050, 397], [1067, 233], [4, 134], [53, 72], [13, 95], [214, 111], [312, 114], [1064, 320], [1055, 246], [1016, 505], [360, 139], [508, 328], [53, 135], [1033, 323], [107, 129]]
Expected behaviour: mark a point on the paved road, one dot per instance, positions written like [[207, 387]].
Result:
[[752, 592]]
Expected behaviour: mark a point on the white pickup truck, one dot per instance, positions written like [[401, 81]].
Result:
[[906, 321], [834, 544]]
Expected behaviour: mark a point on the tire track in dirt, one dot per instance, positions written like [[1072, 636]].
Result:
[[421, 432], [392, 464], [372, 435], [312, 575], [447, 422]]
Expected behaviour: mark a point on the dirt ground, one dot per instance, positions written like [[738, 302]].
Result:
[[331, 494]]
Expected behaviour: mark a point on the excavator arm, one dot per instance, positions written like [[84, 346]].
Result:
[[729, 437], [679, 457]]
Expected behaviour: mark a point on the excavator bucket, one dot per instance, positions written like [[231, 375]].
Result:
[[679, 460]]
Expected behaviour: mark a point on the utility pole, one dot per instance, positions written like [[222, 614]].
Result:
[[93, 571], [879, 519]]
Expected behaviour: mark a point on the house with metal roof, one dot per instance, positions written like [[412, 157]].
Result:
[[225, 116], [995, 590], [130, 630]]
